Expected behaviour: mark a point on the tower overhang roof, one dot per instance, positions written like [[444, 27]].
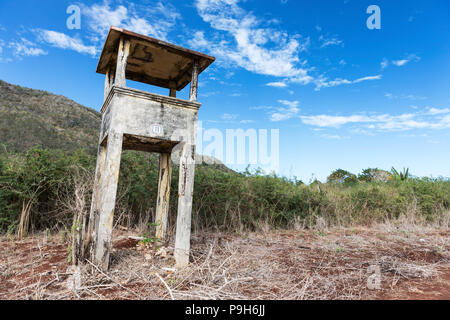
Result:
[[152, 61]]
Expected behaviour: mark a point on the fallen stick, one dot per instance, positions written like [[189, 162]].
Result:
[[125, 288], [165, 284]]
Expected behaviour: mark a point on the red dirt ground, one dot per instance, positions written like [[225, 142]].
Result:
[[302, 264]]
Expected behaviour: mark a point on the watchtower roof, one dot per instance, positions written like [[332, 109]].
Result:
[[152, 61]]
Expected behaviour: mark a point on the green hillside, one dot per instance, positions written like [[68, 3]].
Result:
[[31, 117]]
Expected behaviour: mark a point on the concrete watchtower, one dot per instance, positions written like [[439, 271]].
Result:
[[138, 120]]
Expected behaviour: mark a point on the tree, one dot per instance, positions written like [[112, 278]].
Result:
[[342, 176], [374, 175]]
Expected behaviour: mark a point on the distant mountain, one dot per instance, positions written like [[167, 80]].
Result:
[[31, 117]]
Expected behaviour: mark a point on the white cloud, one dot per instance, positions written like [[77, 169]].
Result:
[[402, 62], [368, 78], [277, 84], [434, 111], [289, 103], [404, 96], [262, 108], [284, 113], [430, 119], [384, 63], [229, 116], [333, 41], [323, 82], [155, 20], [242, 41], [63, 41], [333, 121], [26, 48]]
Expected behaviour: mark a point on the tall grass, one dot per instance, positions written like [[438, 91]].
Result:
[[46, 180]]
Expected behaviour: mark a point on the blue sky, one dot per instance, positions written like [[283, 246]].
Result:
[[341, 95]]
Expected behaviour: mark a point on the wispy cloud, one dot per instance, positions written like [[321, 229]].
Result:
[[434, 111], [333, 121], [26, 48], [404, 96], [323, 82], [400, 62], [330, 41], [229, 116], [431, 118], [63, 41], [241, 39], [368, 78], [155, 20], [409, 58], [277, 84], [289, 111]]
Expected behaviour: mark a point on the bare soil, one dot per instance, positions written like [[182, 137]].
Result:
[[305, 264]]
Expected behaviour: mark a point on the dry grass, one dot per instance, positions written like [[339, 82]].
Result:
[[328, 263]]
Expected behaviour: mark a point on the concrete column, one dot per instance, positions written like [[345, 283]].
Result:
[[185, 190], [194, 81], [162, 204], [122, 58], [107, 201], [94, 212]]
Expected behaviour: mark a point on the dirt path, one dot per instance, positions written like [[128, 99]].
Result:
[[330, 264]]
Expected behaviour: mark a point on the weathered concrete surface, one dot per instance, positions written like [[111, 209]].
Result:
[[185, 190], [162, 204], [106, 205], [122, 61], [138, 120]]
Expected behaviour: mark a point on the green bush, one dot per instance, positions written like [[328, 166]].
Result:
[[223, 199]]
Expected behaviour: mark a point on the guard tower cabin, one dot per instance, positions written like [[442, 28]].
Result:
[[138, 120]]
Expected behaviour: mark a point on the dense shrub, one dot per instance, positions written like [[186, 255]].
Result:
[[223, 199]]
